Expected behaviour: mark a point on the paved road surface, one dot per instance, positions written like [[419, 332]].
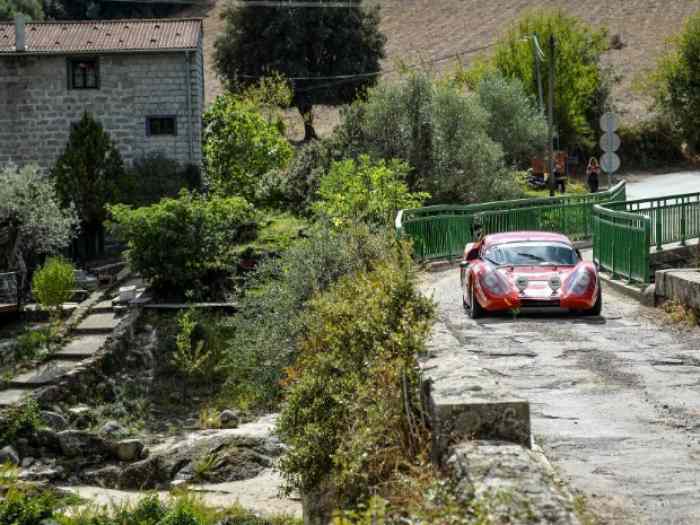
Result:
[[647, 186], [615, 400]]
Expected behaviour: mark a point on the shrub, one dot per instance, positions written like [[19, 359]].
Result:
[[19, 421], [90, 173], [31, 8], [350, 413], [30, 344], [240, 146], [267, 328], [180, 244], [19, 507], [156, 176], [53, 284], [676, 84], [365, 191], [579, 81], [651, 143], [36, 222], [514, 121], [440, 132]]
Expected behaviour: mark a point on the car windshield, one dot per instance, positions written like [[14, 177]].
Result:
[[531, 253]]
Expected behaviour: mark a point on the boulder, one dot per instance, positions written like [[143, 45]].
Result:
[[9, 455], [54, 420], [105, 477], [76, 443], [128, 450], [112, 428], [229, 419], [146, 474]]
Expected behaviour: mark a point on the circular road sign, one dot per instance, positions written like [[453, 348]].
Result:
[[609, 122], [610, 162], [610, 142]]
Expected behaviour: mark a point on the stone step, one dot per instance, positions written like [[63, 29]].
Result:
[[11, 397], [103, 307], [81, 347], [46, 374], [102, 323]]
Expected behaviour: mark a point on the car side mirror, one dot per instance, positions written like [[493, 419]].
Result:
[[578, 253]]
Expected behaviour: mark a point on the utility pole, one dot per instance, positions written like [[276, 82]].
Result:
[[539, 55], [550, 131]]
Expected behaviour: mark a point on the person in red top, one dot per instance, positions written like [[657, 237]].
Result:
[[593, 175]]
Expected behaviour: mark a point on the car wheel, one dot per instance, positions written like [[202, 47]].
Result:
[[475, 309], [598, 306]]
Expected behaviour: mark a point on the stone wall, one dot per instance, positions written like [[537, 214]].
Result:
[[37, 108]]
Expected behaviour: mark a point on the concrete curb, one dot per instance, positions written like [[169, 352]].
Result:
[[630, 290]]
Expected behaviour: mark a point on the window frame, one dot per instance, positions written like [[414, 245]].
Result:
[[71, 64], [149, 130]]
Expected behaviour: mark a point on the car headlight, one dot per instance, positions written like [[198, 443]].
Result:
[[495, 283], [580, 281], [521, 283], [555, 282]]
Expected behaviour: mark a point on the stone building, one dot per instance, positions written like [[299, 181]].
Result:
[[142, 79]]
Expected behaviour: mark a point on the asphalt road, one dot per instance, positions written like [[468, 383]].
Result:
[[614, 400], [648, 186]]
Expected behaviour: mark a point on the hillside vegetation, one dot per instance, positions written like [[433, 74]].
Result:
[[423, 31]]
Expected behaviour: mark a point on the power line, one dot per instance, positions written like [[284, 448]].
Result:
[[342, 79]]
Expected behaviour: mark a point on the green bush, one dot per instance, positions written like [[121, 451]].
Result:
[[240, 146], [53, 284], [156, 176], [30, 344], [19, 421], [19, 507], [345, 418], [90, 173], [580, 86], [676, 84], [267, 326], [31, 8], [365, 191], [181, 244], [653, 143], [439, 131]]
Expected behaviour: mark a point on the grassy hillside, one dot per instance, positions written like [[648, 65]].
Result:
[[424, 30]]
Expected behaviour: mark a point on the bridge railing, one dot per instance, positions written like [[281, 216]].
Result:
[[621, 241], [442, 231]]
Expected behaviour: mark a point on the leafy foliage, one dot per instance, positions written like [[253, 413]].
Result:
[[260, 40], [514, 121], [267, 328], [155, 176], [350, 416], [677, 83], [33, 217], [365, 191], [53, 284], [580, 86], [19, 421], [651, 143], [440, 132], [31, 8], [90, 173], [240, 146], [98, 9], [180, 244]]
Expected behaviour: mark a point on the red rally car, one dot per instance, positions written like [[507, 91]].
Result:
[[511, 271]]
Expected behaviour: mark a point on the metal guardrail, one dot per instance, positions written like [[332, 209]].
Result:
[[621, 241], [443, 231]]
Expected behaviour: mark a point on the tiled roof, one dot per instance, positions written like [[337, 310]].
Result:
[[104, 36]]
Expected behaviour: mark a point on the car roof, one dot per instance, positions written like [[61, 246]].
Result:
[[502, 238]]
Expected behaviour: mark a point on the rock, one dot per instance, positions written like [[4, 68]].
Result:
[[105, 477], [9, 455], [27, 462], [112, 428], [145, 474], [54, 420], [49, 395], [648, 297], [82, 416], [229, 419], [128, 450], [76, 443], [47, 438]]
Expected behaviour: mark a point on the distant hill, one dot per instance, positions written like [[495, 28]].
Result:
[[424, 30]]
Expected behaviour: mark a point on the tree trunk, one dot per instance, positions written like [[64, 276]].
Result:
[[306, 109]]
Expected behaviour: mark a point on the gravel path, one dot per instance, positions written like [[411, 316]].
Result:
[[615, 400]]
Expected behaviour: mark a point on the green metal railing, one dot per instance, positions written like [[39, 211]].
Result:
[[443, 231], [621, 242]]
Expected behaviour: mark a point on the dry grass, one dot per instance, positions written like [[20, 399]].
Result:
[[423, 30]]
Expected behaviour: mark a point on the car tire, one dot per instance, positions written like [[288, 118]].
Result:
[[475, 309], [597, 307]]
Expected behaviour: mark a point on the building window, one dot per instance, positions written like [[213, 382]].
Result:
[[83, 73], [161, 125]]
